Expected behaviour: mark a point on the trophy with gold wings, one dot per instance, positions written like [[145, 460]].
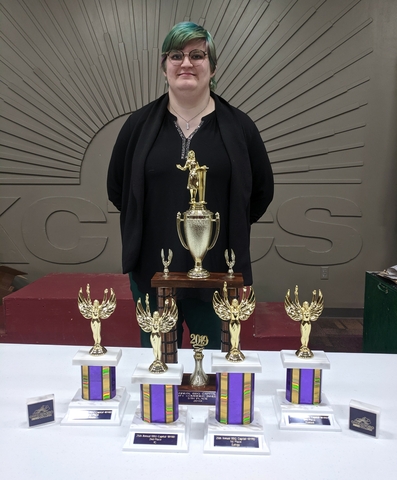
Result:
[[95, 311], [234, 313], [305, 314], [156, 325]]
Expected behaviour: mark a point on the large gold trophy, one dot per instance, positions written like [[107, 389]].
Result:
[[197, 220], [234, 313], [95, 311], [305, 314]]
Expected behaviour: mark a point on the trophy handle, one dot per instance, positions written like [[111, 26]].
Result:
[[178, 228], [218, 224]]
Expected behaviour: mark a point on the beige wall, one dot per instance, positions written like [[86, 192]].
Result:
[[318, 77]]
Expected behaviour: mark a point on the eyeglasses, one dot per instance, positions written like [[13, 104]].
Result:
[[196, 57]]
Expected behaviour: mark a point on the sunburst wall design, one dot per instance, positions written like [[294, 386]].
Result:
[[72, 70], [70, 67]]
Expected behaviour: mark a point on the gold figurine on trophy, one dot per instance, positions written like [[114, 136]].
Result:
[[198, 220], [156, 325], [230, 262], [234, 313], [95, 311], [305, 314], [198, 378], [166, 261], [196, 179]]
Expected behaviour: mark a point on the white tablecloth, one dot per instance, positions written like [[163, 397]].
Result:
[[95, 452]]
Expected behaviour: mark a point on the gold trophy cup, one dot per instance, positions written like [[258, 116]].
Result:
[[305, 314], [198, 221]]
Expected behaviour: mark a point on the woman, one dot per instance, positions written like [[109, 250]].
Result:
[[148, 189]]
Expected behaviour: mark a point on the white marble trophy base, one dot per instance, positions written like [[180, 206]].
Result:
[[251, 364], [235, 439], [293, 416], [97, 412], [173, 376], [110, 359], [318, 361], [159, 437]]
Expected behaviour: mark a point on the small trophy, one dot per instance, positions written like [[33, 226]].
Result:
[[198, 378], [98, 385], [305, 314], [156, 325], [166, 262], [197, 220], [96, 312], [234, 313], [230, 262]]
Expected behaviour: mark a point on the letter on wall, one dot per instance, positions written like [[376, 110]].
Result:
[[345, 242], [35, 233]]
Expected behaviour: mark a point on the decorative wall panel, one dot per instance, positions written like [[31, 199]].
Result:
[[304, 70]]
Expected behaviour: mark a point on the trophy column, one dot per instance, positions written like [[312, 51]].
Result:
[[159, 423], [98, 401], [303, 405], [235, 422], [169, 344]]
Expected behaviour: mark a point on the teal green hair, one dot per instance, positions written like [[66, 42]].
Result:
[[185, 32]]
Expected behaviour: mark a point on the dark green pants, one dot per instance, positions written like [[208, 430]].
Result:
[[199, 317]]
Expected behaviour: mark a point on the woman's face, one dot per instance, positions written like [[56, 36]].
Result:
[[187, 77]]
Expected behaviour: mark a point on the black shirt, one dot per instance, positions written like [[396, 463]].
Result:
[[166, 194]]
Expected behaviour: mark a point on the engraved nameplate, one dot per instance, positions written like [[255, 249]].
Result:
[[309, 419], [91, 415], [155, 439], [236, 441]]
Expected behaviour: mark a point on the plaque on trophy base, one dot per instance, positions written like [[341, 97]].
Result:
[[98, 401], [191, 395], [159, 437], [97, 412], [235, 439], [302, 405], [292, 416]]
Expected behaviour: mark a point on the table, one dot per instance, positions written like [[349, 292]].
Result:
[[95, 452]]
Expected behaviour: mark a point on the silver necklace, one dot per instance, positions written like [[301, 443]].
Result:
[[188, 121]]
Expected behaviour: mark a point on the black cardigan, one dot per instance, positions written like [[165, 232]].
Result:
[[251, 180]]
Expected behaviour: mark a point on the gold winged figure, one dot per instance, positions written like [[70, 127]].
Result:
[[156, 325], [234, 313], [95, 311], [305, 314]]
